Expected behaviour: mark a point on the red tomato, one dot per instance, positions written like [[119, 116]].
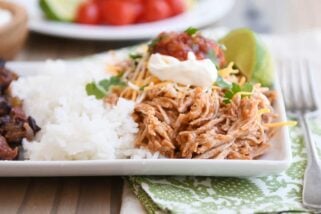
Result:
[[155, 10], [88, 13], [177, 6], [135, 1], [120, 12]]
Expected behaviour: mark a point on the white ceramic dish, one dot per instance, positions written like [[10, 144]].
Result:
[[204, 13], [276, 160]]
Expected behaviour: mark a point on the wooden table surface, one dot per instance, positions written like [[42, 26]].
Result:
[[103, 194]]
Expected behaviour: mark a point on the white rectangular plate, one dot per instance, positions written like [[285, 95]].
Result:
[[276, 160]]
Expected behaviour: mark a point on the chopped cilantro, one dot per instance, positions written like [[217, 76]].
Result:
[[247, 87], [153, 42], [114, 80], [234, 89], [135, 56], [191, 31], [143, 87], [100, 89], [228, 97], [93, 89]]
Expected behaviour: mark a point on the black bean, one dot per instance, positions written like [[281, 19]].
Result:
[[33, 125]]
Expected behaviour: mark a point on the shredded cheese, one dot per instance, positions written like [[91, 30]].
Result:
[[225, 72], [285, 123], [244, 93], [133, 86], [157, 85], [242, 81], [264, 111]]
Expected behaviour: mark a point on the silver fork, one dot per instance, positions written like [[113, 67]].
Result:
[[300, 99]]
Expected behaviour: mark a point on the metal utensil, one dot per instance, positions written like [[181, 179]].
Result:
[[300, 99]]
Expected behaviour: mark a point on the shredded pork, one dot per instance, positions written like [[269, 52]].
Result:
[[186, 122], [193, 122]]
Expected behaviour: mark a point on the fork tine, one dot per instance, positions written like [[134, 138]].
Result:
[[311, 85], [296, 86], [284, 86], [303, 87]]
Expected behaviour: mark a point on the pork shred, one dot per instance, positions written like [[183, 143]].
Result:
[[14, 124], [186, 122]]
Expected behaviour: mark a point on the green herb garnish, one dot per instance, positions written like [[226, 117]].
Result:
[[113, 81], [234, 89], [153, 42], [247, 87], [100, 89], [191, 31], [93, 89], [143, 87], [135, 56]]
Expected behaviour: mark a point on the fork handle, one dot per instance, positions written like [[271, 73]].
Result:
[[309, 141], [312, 176]]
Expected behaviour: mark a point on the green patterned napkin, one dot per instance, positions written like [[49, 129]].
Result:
[[274, 193]]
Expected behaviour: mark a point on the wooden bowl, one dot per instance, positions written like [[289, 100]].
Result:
[[14, 33]]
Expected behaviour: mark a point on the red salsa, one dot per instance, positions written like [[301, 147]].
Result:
[[179, 44]]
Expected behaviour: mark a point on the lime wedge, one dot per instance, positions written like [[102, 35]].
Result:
[[60, 10], [247, 51]]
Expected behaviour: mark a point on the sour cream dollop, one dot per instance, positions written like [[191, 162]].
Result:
[[189, 72], [5, 17]]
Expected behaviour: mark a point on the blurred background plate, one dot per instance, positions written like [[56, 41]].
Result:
[[204, 13]]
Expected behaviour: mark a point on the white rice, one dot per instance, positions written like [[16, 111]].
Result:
[[75, 126]]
